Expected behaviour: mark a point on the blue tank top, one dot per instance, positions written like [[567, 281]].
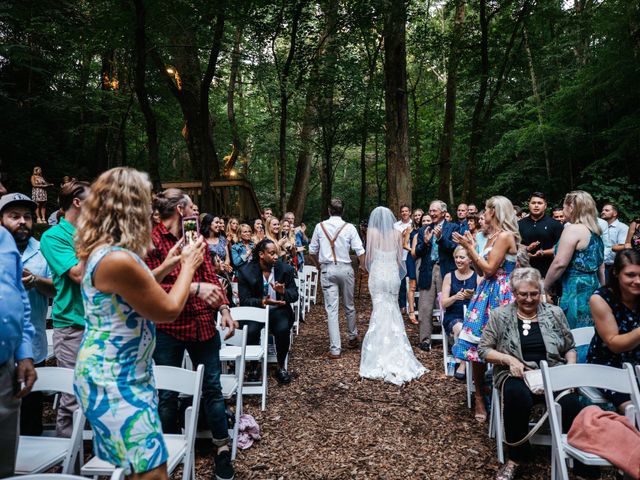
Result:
[[456, 310]]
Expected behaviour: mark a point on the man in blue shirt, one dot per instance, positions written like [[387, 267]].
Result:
[[16, 215], [17, 374]]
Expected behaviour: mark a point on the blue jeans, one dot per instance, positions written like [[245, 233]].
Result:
[[170, 351]]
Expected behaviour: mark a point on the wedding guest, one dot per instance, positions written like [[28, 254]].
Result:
[[17, 374], [633, 236], [435, 247], [39, 194], [457, 289], [122, 302], [579, 259], [302, 241], [194, 330], [289, 246], [222, 227], [258, 230], [16, 215], [496, 262], [520, 214], [330, 245], [272, 232], [448, 217], [267, 213], [241, 252], [481, 235], [57, 246], [233, 232], [155, 217], [558, 214], [54, 217], [216, 243], [517, 338], [426, 220], [613, 236], [472, 209], [403, 225], [462, 213], [616, 315], [473, 224], [267, 280], [540, 233], [408, 246]]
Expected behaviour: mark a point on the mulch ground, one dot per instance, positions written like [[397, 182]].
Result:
[[330, 424]]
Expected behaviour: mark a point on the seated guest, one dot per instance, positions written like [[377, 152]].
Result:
[[241, 251], [517, 337], [457, 289], [269, 281], [616, 314]]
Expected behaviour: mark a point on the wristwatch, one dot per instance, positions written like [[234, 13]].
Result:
[[223, 308]]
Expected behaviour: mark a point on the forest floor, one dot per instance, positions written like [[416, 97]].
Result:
[[330, 424]]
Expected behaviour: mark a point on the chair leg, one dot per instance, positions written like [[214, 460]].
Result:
[[469, 378]]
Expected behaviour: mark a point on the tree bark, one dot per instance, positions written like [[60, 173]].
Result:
[[298, 197], [140, 86], [396, 106], [231, 113], [445, 189]]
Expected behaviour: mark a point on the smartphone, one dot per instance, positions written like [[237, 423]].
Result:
[[469, 291], [190, 229]]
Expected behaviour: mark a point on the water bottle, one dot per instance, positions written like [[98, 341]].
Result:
[[451, 366]]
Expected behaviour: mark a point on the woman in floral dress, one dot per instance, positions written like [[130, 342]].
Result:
[[113, 376], [496, 262], [39, 194]]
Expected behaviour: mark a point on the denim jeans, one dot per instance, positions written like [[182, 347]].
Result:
[[170, 351]]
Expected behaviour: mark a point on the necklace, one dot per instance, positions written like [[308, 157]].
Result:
[[526, 323]]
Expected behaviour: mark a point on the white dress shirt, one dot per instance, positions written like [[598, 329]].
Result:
[[347, 240], [614, 233], [401, 227]]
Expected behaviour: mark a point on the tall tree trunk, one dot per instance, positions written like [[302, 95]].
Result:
[[297, 199], [396, 106], [101, 154], [445, 189], [231, 113], [143, 95]]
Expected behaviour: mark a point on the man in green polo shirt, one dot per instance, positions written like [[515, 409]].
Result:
[[56, 245]]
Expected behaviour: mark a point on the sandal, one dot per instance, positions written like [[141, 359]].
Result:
[[412, 318], [481, 417], [507, 471]]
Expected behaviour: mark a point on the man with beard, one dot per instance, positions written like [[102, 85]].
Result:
[[16, 215], [540, 233]]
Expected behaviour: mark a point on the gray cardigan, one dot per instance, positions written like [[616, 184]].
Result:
[[501, 334]]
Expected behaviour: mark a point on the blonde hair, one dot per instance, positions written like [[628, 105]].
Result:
[[292, 234], [459, 249], [116, 212], [525, 275], [584, 210], [505, 215], [37, 171], [268, 232], [231, 235]]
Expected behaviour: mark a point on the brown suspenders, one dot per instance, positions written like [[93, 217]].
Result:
[[332, 241]]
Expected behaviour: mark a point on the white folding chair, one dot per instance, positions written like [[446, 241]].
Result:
[[118, 474], [563, 377], [582, 336], [232, 382], [254, 353], [181, 447], [312, 275], [297, 306], [49, 333], [445, 338], [39, 454]]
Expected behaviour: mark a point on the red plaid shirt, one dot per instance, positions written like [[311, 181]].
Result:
[[197, 322]]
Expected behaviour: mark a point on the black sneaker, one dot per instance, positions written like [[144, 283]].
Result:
[[282, 376], [425, 346], [224, 468]]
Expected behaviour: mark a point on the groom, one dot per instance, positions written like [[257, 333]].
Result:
[[330, 245]]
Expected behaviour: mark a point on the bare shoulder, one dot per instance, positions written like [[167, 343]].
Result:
[[118, 264]]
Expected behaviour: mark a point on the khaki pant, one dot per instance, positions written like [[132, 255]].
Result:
[[9, 416], [66, 343], [426, 303], [336, 279]]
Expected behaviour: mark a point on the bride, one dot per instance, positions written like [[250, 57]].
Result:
[[386, 351]]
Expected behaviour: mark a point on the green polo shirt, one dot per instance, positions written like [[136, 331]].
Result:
[[56, 245]]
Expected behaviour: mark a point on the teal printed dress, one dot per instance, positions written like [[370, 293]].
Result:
[[114, 377]]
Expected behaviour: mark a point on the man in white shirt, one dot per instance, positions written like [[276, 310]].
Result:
[[403, 225], [614, 235], [330, 245]]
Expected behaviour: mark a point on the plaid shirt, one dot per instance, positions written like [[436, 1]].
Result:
[[197, 322]]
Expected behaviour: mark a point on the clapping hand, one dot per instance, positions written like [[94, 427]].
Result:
[[278, 287], [465, 240], [269, 301], [437, 231]]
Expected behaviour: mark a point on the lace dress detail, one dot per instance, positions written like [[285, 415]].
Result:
[[386, 351]]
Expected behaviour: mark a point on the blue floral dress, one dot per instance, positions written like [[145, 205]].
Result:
[[114, 380], [493, 292], [579, 281]]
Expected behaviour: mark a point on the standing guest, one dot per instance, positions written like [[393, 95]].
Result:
[[17, 374], [457, 289], [448, 217], [616, 315], [289, 246], [302, 241], [462, 213], [613, 236], [517, 338], [330, 244], [258, 230], [39, 194], [222, 227], [233, 233], [195, 328], [403, 225], [408, 246], [496, 262], [241, 252], [216, 242], [426, 220], [473, 224], [16, 215], [579, 259], [267, 213], [122, 302], [155, 218], [472, 209], [633, 236], [540, 233], [268, 281], [481, 235], [435, 247], [57, 247], [558, 214]]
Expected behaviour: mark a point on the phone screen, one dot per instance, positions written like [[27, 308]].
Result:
[[190, 229]]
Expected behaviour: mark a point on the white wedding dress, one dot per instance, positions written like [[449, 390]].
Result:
[[386, 351]]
